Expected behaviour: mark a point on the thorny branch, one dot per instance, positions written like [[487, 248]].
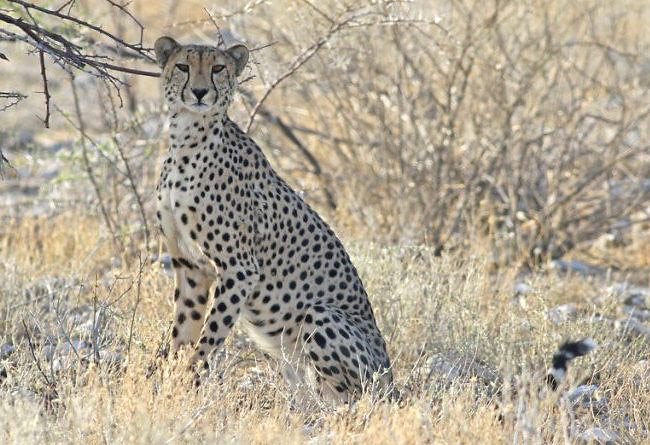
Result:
[[13, 96], [46, 90], [67, 17], [299, 61], [68, 53]]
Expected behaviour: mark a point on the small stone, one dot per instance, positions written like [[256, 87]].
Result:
[[24, 394], [570, 267], [598, 435], [523, 289], [630, 295], [563, 313], [582, 391], [165, 261], [48, 352], [633, 327], [588, 397], [6, 350], [112, 360], [636, 312]]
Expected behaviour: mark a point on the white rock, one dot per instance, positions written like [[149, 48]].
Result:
[[636, 312], [452, 367], [523, 289], [588, 397], [632, 326], [598, 435], [582, 391], [630, 295], [573, 267], [111, 359], [563, 313], [165, 261]]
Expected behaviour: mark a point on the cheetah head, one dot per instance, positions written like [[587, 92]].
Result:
[[201, 79]]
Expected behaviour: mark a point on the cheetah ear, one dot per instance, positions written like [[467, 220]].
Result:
[[164, 48], [240, 54]]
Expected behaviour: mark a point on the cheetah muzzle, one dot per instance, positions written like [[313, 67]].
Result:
[[228, 217]]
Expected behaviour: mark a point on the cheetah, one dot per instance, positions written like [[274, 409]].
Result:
[[229, 218]]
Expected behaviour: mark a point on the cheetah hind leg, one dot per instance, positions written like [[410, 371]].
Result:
[[345, 359]]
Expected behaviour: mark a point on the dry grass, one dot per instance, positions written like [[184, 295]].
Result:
[[432, 309], [418, 151]]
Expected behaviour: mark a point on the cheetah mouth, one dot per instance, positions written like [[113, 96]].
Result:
[[198, 106]]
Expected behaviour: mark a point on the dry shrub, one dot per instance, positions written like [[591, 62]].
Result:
[[435, 312], [445, 121], [442, 122]]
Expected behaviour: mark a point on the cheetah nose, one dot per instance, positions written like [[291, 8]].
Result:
[[199, 93]]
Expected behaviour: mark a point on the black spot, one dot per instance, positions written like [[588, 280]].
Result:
[[330, 333], [320, 340]]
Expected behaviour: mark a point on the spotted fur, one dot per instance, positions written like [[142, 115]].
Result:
[[229, 218]]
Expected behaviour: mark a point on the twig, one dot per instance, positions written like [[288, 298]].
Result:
[[17, 98], [220, 42], [317, 170], [299, 61], [89, 170], [57, 13], [134, 188], [137, 302], [3, 161], [36, 360], [46, 91]]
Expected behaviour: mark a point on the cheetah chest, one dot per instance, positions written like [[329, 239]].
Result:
[[178, 218]]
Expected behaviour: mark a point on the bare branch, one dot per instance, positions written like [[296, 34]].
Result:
[[299, 61], [57, 13], [13, 96], [46, 90]]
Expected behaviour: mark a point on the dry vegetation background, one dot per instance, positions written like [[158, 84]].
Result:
[[485, 162]]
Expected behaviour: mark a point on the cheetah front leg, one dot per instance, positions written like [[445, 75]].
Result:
[[190, 302], [238, 281]]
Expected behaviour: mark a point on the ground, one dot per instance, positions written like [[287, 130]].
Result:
[[455, 331]]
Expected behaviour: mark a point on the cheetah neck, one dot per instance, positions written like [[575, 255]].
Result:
[[192, 131]]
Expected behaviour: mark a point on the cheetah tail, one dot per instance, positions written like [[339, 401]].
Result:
[[567, 352]]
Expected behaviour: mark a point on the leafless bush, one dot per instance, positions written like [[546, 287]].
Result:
[[523, 119], [443, 122]]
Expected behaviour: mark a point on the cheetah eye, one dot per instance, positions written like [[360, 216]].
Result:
[[217, 69], [184, 68]]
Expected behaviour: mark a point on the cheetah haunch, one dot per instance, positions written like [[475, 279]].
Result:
[[227, 216]]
